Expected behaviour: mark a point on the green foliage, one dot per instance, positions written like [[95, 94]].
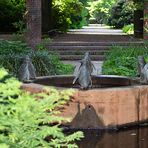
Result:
[[123, 61], [69, 14], [20, 34], [122, 14], [10, 11], [13, 52], [139, 5], [66, 14], [129, 29], [20, 25], [13, 47], [100, 9], [79, 20], [26, 119]]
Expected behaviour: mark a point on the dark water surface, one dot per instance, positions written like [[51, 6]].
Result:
[[129, 138]]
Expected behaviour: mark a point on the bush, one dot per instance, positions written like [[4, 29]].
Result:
[[10, 11], [27, 122], [79, 20], [122, 14], [129, 29], [69, 14], [12, 53], [123, 61], [100, 10]]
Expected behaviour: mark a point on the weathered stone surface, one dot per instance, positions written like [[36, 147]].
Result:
[[115, 106], [33, 88], [106, 107], [143, 104], [98, 81]]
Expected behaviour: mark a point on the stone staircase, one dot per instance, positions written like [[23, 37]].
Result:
[[97, 40], [76, 50]]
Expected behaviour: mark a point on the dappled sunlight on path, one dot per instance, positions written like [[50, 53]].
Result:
[[94, 33], [97, 29]]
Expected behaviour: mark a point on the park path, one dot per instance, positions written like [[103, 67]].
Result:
[[94, 33], [97, 39], [97, 29]]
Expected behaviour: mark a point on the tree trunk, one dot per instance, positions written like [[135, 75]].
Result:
[[33, 22]]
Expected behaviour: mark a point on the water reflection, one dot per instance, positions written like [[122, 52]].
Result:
[[134, 138]]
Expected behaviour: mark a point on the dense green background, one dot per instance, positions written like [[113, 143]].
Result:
[[72, 13]]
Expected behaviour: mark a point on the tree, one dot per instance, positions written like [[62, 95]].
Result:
[[100, 9]]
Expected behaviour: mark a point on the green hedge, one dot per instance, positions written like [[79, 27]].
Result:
[[123, 60]]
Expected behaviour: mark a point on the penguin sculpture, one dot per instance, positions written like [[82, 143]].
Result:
[[27, 70], [84, 72], [84, 76], [143, 70], [89, 63]]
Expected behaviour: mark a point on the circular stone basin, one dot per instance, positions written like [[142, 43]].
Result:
[[119, 102], [100, 81]]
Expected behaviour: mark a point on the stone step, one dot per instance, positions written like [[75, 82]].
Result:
[[81, 52], [79, 57], [95, 44], [78, 47], [94, 38], [88, 46]]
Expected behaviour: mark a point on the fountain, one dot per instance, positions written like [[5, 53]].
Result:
[[99, 101]]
